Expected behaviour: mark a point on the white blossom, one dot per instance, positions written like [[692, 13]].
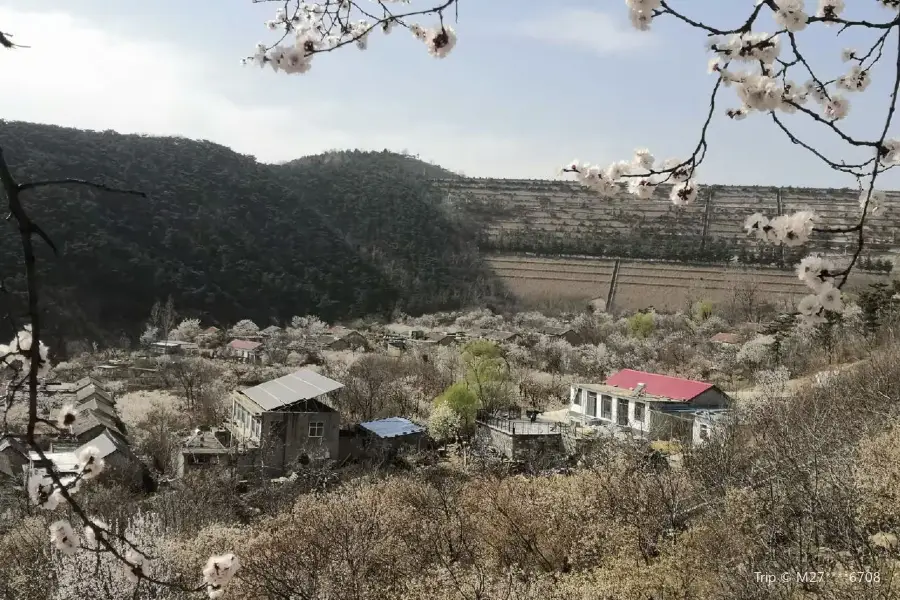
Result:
[[90, 532], [137, 567], [90, 462], [63, 537], [830, 297], [619, 168], [684, 193], [641, 187], [857, 80], [757, 224], [440, 41], [42, 491], [220, 569], [875, 201], [890, 152], [640, 19], [836, 108], [815, 271], [810, 305], [791, 230], [790, 15], [830, 9], [643, 159], [848, 54]]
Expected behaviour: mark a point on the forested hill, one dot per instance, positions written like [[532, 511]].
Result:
[[339, 235]]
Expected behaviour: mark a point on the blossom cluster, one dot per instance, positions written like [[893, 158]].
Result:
[[789, 230], [17, 355], [316, 27], [641, 176]]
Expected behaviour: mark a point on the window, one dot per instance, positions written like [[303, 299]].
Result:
[[591, 408], [576, 400], [255, 428], [639, 411], [704, 432], [605, 407], [316, 429]]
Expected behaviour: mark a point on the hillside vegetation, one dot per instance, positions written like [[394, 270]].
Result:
[[340, 235]]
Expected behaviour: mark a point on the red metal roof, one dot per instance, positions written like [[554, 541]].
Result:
[[244, 345], [675, 388]]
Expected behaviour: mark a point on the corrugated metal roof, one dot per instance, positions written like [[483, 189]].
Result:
[[244, 345], [675, 388], [301, 385], [392, 427]]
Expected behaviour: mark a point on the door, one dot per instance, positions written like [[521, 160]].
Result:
[[622, 412], [591, 408]]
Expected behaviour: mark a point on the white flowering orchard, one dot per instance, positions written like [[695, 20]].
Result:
[[51, 492], [757, 65]]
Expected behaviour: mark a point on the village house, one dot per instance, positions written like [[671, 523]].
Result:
[[505, 337], [563, 333], [92, 423], [244, 350], [203, 449], [436, 338], [287, 420], [270, 331], [646, 404], [63, 457], [94, 392], [13, 456], [166, 347], [342, 338], [726, 339], [394, 433]]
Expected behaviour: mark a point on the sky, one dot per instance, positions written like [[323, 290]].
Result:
[[526, 89]]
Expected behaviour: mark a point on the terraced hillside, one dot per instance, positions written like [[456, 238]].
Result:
[[561, 217], [629, 285]]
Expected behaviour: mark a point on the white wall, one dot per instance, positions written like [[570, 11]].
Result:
[[632, 422]]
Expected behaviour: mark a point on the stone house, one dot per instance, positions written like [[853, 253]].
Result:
[[287, 420], [648, 405]]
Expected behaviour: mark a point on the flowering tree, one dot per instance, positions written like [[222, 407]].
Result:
[[244, 328], [758, 65], [25, 361]]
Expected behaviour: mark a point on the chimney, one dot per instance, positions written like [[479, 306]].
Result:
[[640, 388]]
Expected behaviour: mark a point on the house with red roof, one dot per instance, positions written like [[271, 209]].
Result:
[[649, 404], [245, 350]]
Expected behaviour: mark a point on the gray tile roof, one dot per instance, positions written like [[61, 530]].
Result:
[[392, 427], [284, 391], [108, 443], [92, 391]]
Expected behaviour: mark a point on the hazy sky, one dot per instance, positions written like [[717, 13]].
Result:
[[528, 87]]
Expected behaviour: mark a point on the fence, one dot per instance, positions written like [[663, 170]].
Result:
[[519, 427]]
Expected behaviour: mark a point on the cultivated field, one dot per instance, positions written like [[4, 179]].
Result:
[[645, 284]]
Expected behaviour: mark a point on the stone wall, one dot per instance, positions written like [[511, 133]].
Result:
[[524, 447]]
